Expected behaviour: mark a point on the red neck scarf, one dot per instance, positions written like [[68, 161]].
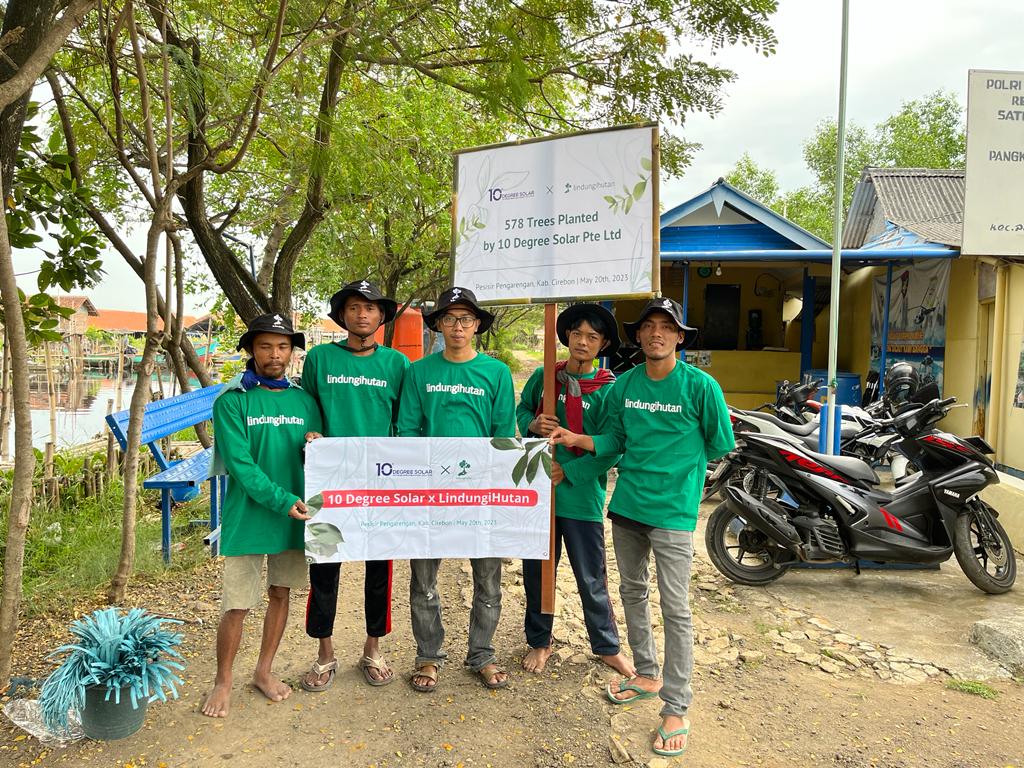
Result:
[[574, 391]]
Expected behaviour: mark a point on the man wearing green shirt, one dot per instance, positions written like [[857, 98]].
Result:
[[261, 420], [457, 393], [588, 330], [668, 419], [357, 384]]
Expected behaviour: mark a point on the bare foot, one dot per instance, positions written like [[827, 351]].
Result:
[[669, 724], [271, 687], [218, 702], [536, 659], [640, 682], [620, 664]]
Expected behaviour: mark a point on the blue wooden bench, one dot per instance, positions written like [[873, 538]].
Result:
[[162, 419]]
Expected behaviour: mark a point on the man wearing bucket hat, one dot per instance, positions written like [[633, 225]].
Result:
[[668, 419], [357, 384], [457, 393], [588, 330], [260, 419]]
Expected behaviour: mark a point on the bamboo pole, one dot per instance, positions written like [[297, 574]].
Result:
[[119, 384], [51, 392], [111, 449]]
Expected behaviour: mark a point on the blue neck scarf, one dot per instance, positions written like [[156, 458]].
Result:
[[251, 379]]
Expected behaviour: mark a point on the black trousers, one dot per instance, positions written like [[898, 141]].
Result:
[[584, 544], [322, 606]]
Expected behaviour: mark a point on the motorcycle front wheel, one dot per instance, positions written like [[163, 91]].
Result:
[[987, 559], [740, 551]]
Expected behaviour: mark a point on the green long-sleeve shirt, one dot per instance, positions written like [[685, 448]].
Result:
[[667, 431], [581, 495], [260, 434], [358, 394], [445, 399]]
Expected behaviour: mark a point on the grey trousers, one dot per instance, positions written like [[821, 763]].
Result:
[[673, 556], [427, 624]]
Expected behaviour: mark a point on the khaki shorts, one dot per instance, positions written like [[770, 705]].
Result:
[[243, 586]]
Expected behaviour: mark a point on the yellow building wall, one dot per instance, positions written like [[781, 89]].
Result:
[[1010, 435], [960, 371]]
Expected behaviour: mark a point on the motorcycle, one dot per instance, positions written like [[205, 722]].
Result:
[[830, 508]]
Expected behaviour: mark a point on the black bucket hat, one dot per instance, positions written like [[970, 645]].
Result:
[[274, 323], [584, 311], [670, 308], [368, 291], [456, 295]]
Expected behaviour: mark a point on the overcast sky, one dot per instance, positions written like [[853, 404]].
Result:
[[899, 50]]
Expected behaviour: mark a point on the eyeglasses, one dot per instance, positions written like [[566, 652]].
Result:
[[466, 321]]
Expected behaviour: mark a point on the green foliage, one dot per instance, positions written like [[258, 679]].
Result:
[[973, 687], [925, 133]]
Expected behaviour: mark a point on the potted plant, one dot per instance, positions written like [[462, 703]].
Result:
[[119, 664]]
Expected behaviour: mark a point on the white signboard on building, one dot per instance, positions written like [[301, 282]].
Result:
[[993, 211], [567, 217], [398, 498]]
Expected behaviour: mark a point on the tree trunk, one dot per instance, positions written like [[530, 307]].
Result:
[[24, 458], [34, 18], [144, 373], [5, 402]]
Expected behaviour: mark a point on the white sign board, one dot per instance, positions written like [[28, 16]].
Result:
[[399, 498], [560, 218], [993, 211]]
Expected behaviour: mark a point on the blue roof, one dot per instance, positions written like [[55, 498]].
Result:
[[768, 230]]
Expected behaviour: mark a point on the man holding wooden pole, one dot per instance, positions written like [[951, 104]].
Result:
[[668, 419], [588, 330]]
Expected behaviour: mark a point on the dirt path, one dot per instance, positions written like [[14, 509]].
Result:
[[773, 687]]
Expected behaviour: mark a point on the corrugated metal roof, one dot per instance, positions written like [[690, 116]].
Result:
[[926, 201], [724, 237]]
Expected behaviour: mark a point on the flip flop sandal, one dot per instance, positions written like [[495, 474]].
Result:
[[625, 685], [421, 671], [319, 669], [666, 736], [488, 679], [368, 663]]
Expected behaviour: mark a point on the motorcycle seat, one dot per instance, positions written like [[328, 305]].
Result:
[[800, 430], [847, 465]]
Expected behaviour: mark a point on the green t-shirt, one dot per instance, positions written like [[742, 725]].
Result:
[[581, 495], [445, 399], [260, 434], [358, 394], [667, 431]]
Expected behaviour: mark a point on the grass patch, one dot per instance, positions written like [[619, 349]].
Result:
[[831, 654], [72, 550], [973, 687], [765, 628]]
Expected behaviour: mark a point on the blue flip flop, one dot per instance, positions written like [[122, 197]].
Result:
[[666, 736], [625, 685]]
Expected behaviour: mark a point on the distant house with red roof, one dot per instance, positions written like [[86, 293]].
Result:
[[84, 310]]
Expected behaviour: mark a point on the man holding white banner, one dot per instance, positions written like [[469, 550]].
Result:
[[668, 419], [457, 393], [588, 330], [357, 384]]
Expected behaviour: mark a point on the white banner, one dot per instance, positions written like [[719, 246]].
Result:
[[400, 498], [993, 214], [567, 217]]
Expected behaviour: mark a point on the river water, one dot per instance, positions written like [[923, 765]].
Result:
[[81, 408]]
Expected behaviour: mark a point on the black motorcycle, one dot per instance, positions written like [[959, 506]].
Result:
[[829, 508]]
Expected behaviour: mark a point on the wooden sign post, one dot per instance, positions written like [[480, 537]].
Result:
[[547, 570], [554, 220]]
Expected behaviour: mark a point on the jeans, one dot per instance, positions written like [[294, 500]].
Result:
[[584, 544], [427, 623], [673, 556]]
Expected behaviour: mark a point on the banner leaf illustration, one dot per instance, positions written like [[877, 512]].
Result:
[[315, 504], [531, 469], [505, 443], [545, 461], [646, 164], [325, 533], [520, 468]]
